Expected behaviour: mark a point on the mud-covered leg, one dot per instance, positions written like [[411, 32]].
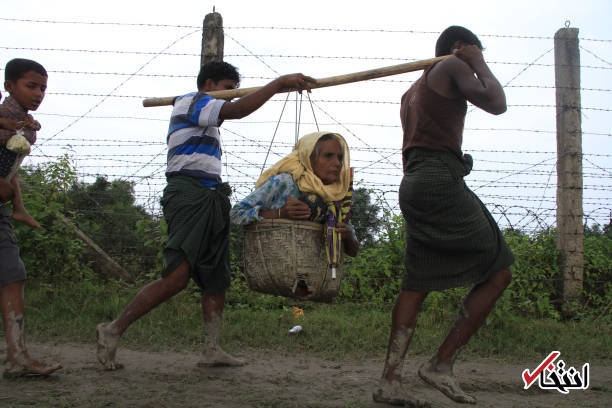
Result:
[[390, 389], [212, 354], [439, 371], [107, 341], [18, 361], [441, 376], [147, 298]]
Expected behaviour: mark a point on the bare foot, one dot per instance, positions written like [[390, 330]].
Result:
[[23, 366], [393, 393], [444, 380], [25, 217], [216, 357], [107, 347]]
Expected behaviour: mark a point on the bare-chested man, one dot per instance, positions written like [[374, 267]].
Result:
[[451, 238]]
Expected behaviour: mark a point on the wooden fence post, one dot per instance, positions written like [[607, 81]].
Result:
[[570, 230], [212, 38]]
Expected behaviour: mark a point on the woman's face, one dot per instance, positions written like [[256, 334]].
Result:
[[328, 161]]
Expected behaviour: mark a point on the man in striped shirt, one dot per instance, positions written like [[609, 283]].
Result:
[[194, 145], [196, 208]]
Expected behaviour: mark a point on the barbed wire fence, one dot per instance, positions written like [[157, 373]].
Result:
[[93, 109]]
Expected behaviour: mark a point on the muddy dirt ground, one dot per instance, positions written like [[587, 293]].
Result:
[[165, 379]]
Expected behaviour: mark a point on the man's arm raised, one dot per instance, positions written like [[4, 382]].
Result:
[[251, 102], [482, 90]]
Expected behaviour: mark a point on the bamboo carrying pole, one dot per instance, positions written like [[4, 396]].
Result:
[[321, 83]]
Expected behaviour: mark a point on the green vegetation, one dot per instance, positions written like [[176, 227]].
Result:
[[69, 313], [67, 295]]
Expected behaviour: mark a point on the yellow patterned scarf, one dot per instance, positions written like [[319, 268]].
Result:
[[337, 211]]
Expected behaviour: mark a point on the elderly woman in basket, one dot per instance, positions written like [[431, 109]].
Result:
[[312, 183]]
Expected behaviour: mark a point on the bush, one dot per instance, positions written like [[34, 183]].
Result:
[[597, 290], [534, 290], [375, 273], [52, 254]]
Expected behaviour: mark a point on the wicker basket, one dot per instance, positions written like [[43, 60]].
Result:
[[287, 258]]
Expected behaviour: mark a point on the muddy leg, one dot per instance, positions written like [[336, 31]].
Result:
[[213, 355], [144, 301], [390, 389], [438, 372], [441, 375], [18, 361], [107, 339]]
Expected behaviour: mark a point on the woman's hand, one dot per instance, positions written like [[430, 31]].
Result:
[[351, 245], [343, 229], [295, 209]]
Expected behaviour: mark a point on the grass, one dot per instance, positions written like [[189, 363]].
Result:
[[337, 331]]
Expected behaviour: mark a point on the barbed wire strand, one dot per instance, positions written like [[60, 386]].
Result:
[[382, 194], [318, 107], [274, 135], [595, 55], [116, 87], [324, 29]]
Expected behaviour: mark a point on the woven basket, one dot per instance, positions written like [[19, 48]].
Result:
[[287, 258]]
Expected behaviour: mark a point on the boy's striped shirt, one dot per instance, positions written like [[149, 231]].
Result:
[[194, 141]]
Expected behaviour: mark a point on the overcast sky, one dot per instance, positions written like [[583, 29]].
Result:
[[99, 74]]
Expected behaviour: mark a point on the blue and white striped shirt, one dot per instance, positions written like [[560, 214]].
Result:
[[194, 141]]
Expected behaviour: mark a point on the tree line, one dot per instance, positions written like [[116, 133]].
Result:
[[107, 211]]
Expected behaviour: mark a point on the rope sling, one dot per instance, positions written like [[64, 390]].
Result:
[[297, 259], [292, 258]]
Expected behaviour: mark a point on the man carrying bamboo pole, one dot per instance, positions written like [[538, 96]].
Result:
[[196, 208], [451, 238]]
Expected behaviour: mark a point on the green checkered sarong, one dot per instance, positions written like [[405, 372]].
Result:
[[451, 238], [198, 231]]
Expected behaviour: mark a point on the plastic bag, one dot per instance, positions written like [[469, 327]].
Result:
[[18, 144]]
